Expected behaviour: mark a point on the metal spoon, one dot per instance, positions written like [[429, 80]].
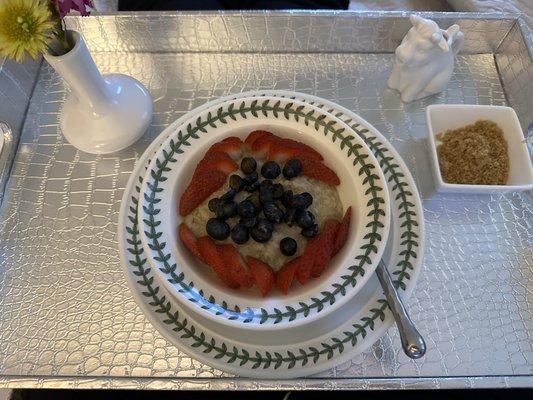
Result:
[[412, 341]]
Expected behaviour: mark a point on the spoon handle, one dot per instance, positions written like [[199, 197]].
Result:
[[412, 341]]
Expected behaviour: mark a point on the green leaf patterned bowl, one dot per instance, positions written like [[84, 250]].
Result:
[[362, 186]]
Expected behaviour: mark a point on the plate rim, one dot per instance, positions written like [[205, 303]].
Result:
[[369, 340]]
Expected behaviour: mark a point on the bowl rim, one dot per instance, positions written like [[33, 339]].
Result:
[[255, 325], [463, 186]]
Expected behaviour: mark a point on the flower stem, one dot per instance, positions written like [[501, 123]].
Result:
[[62, 45]]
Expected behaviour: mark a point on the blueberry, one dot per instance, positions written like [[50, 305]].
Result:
[[310, 232], [248, 165], [236, 182], [277, 190], [230, 209], [266, 195], [280, 205], [288, 246], [248, 222], [272, 212], [266, 183], [217, 229], [246, 209], [252, 187], [300, 201], [227, 210], [254, 198], [214, 203], [240, 234], [286, 198], [305, 219], [229, 195], [251, 178], [262, 232], [219, 211], [307, 199], [290, 216], [270, 170], [292, 168]]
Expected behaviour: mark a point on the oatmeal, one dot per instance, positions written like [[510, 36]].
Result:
[[326, 204]]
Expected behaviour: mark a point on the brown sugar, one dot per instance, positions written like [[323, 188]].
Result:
[[475, 154]]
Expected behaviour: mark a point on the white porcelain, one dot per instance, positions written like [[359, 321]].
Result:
[[425, 59], [1, 138], [103, 114], [441, 117], [196, 286], [280, 345]]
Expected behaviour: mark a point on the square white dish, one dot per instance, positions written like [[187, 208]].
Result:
[[442, 117]]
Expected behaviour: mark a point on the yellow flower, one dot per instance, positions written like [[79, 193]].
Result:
[[25, 26]]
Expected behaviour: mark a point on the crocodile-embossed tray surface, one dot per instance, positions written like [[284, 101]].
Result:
[[61, 325]]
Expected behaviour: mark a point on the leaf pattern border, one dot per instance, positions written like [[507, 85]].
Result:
[[276, 315]]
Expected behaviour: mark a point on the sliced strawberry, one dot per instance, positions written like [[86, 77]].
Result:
[[212, 155], [324, 249], [261, 146], [307, 151], [285, 149], [217, 160], [281, 154], [317, 170], [199, 189], [231, 145], [189, 240], [225, 166], [253, 136], [307, 260], [285, 275], [342, 232], [233, 260], [262, 273], [233, 139], [209, 252]]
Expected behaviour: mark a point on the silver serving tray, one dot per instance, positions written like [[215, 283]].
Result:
[[67, 318]]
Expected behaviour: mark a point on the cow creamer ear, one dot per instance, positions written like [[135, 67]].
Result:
[[439, 39], [415, 20], [452, 30], [444, 45]]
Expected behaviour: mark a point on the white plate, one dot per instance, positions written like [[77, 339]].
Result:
[[369, 313], [190, 281]]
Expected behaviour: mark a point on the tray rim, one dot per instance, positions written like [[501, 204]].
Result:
[[211, 384], [77, 22], [305, 13], [377, 382]]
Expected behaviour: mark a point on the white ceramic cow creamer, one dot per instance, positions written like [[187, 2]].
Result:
[[425, 59]]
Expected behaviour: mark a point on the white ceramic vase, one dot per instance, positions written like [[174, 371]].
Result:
[[104, 113]]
